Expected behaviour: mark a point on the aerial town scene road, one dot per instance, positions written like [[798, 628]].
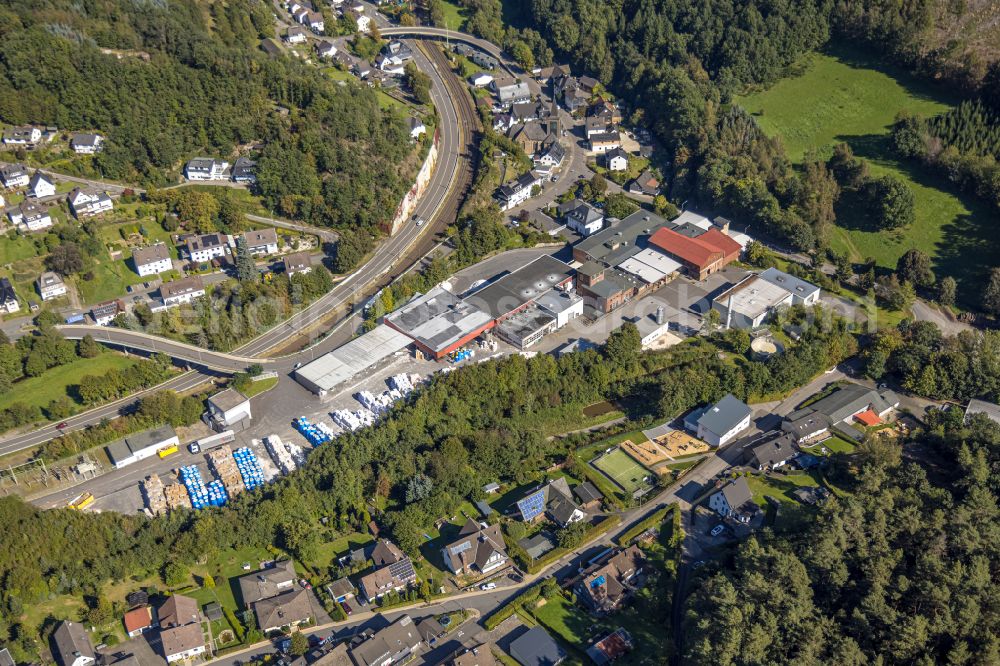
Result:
[[492, 333]]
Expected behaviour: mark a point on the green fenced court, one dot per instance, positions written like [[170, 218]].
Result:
[[622, 469]]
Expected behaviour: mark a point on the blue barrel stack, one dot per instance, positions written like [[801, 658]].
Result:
[[191, 478], [217, 495], [313, 433], [249, 466]]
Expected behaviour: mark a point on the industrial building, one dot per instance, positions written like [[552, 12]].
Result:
[[750, 302], [522, 287], [228, 410], [141, 445], [362, 353], [439, 322]]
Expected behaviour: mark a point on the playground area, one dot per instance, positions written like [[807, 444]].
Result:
[[646, 453], [618, 466], [678, 444]]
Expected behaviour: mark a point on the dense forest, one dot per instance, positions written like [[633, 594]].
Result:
[[168, 81], [482, 423], [899, 570]]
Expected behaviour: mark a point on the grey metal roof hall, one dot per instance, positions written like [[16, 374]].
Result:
[[724, 415], [522, 285]]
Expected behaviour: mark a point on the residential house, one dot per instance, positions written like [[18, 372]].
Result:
[[296, 35], [72, 645], [517, 191], [988, 409], [480, 79], [588, 84], [392, 645], [301, 15], [181, 291], [177, 611], [390, 64], [288, 609], [362, 22], [86, 144], [30, 216], [609, 111], [645, 184], [700, 256], [206, 247], [536, 648], [40, 186], [8, 297], [297, 263], [602, 142], [554, 500], [230, 410], [616, 644], [479, 549], [417, 127], [574, 97], [139, 620], [583, 218], [385, 552], [773, 453], [268, 582], [596, 125], [182, 643], [325, 49], [848, 402], [616, 159], [88, 204], [261, 241], [394, 577], [606, 586], [14, 175], [510, 91], [720, 423], [805, 425], [399, 49], [314, 21], [206, 168], [732, 500], [152, 260], [430, 630], [244, 171], [50, 286], [24, 135], [105, 313], [552, 156]]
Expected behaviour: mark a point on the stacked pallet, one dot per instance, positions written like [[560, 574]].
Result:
[[226, 469], [177, 496], [156, 500]]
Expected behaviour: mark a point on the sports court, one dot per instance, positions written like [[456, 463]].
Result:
[[623, 470]]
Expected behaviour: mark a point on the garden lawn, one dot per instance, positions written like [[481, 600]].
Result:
[[780, 487], [327, 553], [260, 386], [454, 16], [843, 98], [52, 384], [111, 279], [21, 247]]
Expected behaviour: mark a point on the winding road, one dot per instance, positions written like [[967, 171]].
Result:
[[438, 205]]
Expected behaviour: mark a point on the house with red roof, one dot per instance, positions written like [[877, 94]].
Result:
[[701, 255]]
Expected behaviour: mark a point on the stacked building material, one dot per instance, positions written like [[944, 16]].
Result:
[[156, 500]]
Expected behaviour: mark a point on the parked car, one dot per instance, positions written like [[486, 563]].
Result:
[[488, 586], [718, 529], [346, 607]]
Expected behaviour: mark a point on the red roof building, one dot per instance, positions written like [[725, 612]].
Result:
[[701, 256], [868, 418], [138, 620]]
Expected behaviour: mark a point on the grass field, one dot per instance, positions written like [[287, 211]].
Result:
[[780, 487], [623, 470], [454, 16], [840, 98], [260, 386], [51, 384], [21, 247]]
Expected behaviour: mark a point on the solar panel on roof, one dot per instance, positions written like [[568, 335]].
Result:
[[401, 569], [533, 505]]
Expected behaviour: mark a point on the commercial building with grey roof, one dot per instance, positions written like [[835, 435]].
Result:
[[439, 322], [723, 421], [141, 445]]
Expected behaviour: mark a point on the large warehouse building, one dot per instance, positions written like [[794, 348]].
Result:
[[517, 290], [363, 352], [439, 322]]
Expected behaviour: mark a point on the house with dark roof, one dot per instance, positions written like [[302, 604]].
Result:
[[14, 175], [536, 647], [181, 291], [244, 170], [288, 609], [5, 658], [988, 409], [721, 422], [430, 630], [554, 500], [152, 260], [607, 584], [269, 582], [588, 494], [385, 552], [86, 144], [296, 263], [479, 549], [850, 400], [583, 218], [805, 425], [206, 168], [40, 186], [645, 184], [8, 297], [206, 247], [184, 642], [536, 546], [732, 499], [177, 611], [341, 589], [394, 577], [391, 645], [773, 453], [72, 645], [261, 241]]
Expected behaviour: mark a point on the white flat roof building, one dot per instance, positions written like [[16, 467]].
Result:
[[340, 365], [649, 265], [748, 303]]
